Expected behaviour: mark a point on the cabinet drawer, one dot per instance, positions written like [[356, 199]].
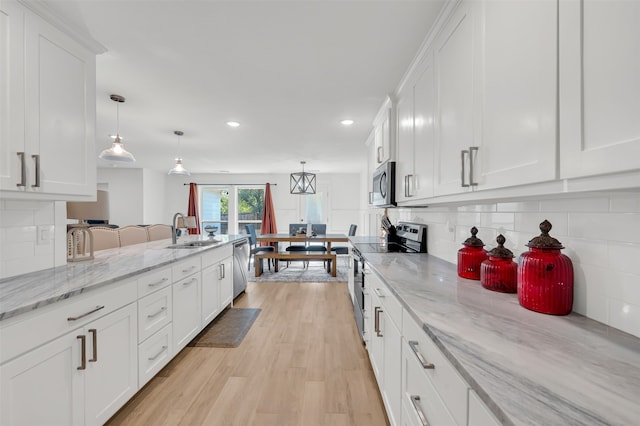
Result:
[[185, 268], [445, 379], [154, 280], [213, 256], [391, 304], [420, 400], [154, 312], [154, 354], [35, 328]]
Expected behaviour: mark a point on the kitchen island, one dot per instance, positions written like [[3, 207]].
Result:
[[527, 368]]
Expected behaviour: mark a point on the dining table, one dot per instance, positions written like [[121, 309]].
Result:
[[327, 239]]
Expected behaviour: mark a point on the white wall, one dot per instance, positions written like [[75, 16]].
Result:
[[126, 202], [153, 197], [601, 233]]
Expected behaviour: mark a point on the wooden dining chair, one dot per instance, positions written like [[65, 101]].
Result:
[[254, 248]]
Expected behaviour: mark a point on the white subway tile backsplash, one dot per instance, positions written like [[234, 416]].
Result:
[[594, 205], [18, 250], [624, 286], [588, 252], [624, 316], [530, 223], [590, 291], [623, 257], [619, 227], [21, 233], [18, 217], [501, 221], [625, 203], [522, 206], [44, 215]]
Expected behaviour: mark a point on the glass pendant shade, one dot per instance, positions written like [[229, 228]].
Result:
[[117, 152], [302, 182], [179, 169]]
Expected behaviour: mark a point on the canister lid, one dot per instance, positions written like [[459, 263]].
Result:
[[474, 241], [544, 240], [501, 250]]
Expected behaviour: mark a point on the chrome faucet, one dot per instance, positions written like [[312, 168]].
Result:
[[174, 230]]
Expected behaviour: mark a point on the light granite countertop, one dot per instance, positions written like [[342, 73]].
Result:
[[24, 293], [529, 368]]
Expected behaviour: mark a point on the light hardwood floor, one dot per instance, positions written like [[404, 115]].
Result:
[[302, 363]]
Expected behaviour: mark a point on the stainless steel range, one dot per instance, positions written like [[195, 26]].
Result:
[[406, 237]]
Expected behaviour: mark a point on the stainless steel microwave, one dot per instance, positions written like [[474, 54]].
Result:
[[384, 185]]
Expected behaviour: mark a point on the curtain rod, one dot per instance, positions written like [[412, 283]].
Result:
[[229, 184]]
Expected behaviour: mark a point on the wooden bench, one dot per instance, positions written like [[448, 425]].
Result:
[[300, 255]]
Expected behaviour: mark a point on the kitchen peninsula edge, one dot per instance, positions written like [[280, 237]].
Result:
[[527, 367], [27, 292]]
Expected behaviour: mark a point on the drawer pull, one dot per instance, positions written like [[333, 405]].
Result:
[[189, 282], [83, 343], [414, 347], [188, 269], [376, 321], [85, 314], [153, 358], [37, 160], [161, 310], [158, 282], [415, 399], [94, 333], [378, 292]]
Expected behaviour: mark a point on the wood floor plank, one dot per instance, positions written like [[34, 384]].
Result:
[[301, 363]]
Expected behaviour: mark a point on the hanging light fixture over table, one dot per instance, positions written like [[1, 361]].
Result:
[[303, 182], [117, 151], [179, 168]]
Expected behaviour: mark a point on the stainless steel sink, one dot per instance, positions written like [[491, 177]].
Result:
[[193, 244]]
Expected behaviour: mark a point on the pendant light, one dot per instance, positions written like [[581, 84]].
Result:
[[179, 168], [302, 183], [117, 151]]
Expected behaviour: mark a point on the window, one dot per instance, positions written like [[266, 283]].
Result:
[[215, 209], [250, 208]]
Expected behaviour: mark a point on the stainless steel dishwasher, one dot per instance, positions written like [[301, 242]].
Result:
[[240, 259]]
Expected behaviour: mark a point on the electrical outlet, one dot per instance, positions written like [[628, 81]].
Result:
[[44, 234]]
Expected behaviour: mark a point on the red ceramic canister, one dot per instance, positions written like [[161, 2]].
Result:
[[499, 271], [471, 256], [545, 276]]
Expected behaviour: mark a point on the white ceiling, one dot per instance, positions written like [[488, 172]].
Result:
[[288, 71]]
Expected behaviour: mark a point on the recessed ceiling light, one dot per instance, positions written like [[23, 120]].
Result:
[[347, 122], [233, 124]]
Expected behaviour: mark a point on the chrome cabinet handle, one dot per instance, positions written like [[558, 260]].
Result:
[[414, 347], [23, 170], [462, 179], [378, 293], [158, 282], [153, 358], [415, 399], [37, 160], [472, 150], [94, 332], [188, 269], [85, 314], [83, 343], [377, 310], [379, 154], [161, 310], [189, 282], [370, 197], [408, 186], [221, 271]]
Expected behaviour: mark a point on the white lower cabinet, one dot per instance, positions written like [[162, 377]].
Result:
[[385, 344], [217, 282], [82, 377], [154, 353], [186, 310], [479, 414]]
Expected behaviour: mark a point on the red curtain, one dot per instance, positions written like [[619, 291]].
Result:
[[268, 215], [193, 207]]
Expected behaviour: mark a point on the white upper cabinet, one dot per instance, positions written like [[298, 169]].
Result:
[[415, 136], [384, 133], [47, 83], [599, 87], [517, 58], [496, 74], [455, 72]]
